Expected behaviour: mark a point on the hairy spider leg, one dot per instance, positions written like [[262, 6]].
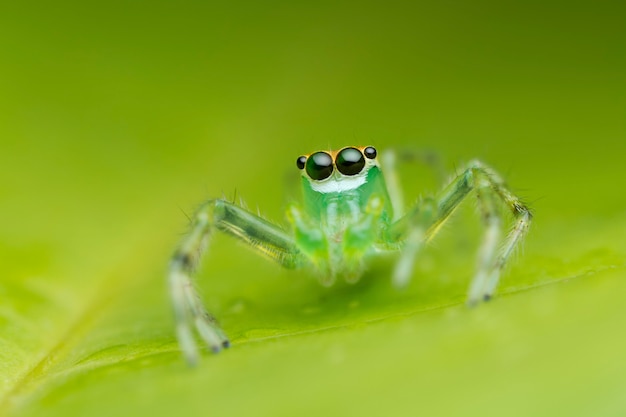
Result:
[[523, 218], [423, 221], [267, 238], [391, 158]]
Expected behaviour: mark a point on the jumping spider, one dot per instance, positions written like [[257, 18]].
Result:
[[350, 212]]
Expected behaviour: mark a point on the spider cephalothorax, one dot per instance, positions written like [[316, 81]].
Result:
[[350, 212], [337, 171]]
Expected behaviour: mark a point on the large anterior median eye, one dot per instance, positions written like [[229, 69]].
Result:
[[350, 161], [319, 166]]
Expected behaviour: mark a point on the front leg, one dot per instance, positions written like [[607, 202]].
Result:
[[265, 237], [420, 225]]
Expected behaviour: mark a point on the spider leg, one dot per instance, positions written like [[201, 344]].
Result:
[[265, 237], [492, 235], [413, 229], [359, 237], [423, 221], [313, 244], [391, 158], [522, 219]]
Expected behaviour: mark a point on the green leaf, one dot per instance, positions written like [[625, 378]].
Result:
[[116, 118]]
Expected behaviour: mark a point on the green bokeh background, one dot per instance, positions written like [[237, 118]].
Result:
[[118, 117]]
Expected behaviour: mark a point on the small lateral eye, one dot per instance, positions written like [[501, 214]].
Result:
[[350, 161], [300, 162], [319, 166], [370, 152]]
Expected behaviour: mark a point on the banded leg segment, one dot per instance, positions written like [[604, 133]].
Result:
[[260, 234], [490, 217], [489, 188], [522, 219]]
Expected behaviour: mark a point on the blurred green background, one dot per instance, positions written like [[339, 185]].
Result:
[[116, 118]]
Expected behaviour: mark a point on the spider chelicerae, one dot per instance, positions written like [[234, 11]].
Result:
[[350, 212]]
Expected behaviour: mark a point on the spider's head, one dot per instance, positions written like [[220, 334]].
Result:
[[338, 171]]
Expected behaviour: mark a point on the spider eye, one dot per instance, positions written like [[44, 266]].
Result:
[[319, 166], [350, 161], [300, 162], [370, 152]]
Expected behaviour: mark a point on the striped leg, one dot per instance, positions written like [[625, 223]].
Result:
[[419, 226], [260, 234]]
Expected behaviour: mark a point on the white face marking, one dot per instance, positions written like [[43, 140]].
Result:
[[337, 185], [338, 182]]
